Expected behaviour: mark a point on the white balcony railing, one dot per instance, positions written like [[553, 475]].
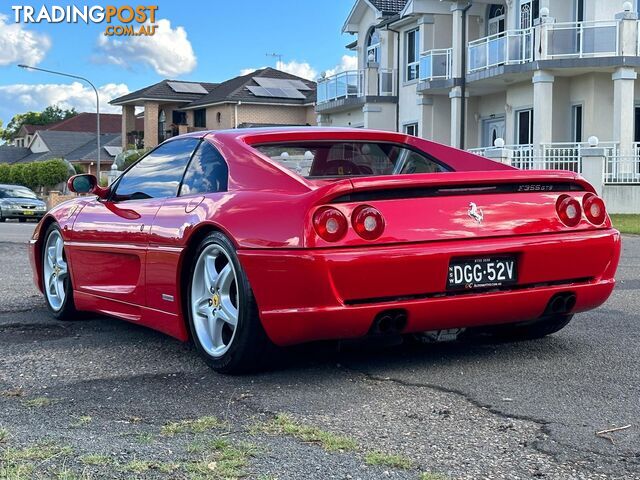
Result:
[[551, 156], [342, 85], [583, 39], [436, 64], [623, 167], [505, 48], [357, 83]]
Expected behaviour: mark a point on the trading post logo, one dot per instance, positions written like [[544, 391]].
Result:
[[126, 20]]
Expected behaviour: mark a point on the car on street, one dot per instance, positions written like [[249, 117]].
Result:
[[246, 239], [20, 202]]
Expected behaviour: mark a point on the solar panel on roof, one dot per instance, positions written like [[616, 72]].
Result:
[[299, 84], [275, 92], [183, 87]]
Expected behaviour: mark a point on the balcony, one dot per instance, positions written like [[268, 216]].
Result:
[[436, 65], [582, 40], [343, 85], [513, 47], [356, 87]]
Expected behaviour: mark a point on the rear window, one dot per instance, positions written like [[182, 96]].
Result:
[[349, 159]]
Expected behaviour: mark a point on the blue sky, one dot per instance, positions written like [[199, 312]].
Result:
[[203, 40]]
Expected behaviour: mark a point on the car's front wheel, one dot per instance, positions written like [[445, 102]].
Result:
[[56, 279], [223, 315]]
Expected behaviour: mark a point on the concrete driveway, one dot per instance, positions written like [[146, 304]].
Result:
[[101, 398]]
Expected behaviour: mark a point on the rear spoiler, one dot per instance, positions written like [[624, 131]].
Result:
[[452, 183]]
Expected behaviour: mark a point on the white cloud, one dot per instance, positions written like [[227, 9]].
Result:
[[301, 69], [305, 70], [23, 97], [168, 52], [18, 45], [348, 62]]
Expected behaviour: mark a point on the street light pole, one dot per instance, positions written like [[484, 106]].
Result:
[[29, 67]]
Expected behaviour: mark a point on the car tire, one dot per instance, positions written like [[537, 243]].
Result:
[[56, 276], [2, 219], [222, 312], [526, 331], [22, 220]]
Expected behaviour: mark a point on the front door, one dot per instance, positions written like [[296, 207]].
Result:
[[492, 129], [110, 238]]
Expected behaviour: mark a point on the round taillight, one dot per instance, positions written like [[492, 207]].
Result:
[[367, 222], [569, 210], [594, 208], [330, 224]]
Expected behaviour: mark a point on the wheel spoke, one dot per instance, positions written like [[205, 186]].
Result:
[[52, 285], [210, 274], [223, 282], [59, 246], [202, 306], [51, 255], [227, 312], [216, 332]]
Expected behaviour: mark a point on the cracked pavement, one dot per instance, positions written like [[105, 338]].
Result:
[[462, 410]]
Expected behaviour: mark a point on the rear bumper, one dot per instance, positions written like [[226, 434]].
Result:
[[306, 295]]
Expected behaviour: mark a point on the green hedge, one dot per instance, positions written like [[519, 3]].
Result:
[[36, 174]]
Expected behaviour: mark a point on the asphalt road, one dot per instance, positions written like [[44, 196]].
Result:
[[97, 397]]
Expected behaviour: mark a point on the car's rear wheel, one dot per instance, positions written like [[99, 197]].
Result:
[[22, 220], [527, 331], [56, 278], [223, 315]]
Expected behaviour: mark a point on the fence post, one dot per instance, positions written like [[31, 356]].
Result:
[[593, 164], [499, 153]]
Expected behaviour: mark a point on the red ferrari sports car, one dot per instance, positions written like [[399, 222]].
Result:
[[245, 239]]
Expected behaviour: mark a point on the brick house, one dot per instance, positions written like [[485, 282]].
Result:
[[265, 97]]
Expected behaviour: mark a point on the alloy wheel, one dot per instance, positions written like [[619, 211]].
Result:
[[214, 300], [55, 270]]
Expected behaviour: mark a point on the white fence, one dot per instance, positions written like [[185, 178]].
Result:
[[623, 167], [620, 167]]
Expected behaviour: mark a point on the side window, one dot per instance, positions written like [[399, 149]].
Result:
[[207, 172], [159, 173]]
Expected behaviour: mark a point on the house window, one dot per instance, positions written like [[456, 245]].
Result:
[[411, 129], [413, 54], [576, 123], [529, 11], [219, 117], [637, 124], [162, 126], [373, 47], [496, 22], [524, 127], [200, 118], [179, 118]]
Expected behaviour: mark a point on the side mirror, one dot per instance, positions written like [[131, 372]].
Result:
[[87, 183]]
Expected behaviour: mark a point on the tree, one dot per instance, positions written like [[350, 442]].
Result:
[[51, 173], [35, 174], [49, 115], [5, 171]]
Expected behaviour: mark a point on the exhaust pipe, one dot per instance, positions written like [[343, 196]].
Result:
[[561, 304], [389, 322]]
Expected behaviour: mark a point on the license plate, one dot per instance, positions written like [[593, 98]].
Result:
[[28, 212], [481, 272]]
